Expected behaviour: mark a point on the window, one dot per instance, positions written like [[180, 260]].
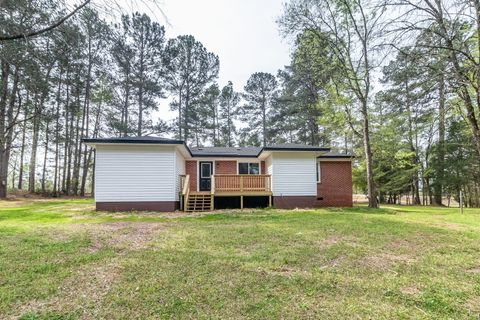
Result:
[[319, 174], [206, 170], [248, 168]]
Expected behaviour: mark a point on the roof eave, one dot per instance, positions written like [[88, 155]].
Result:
[[224, 156], [120, 141], [273, 149], [336, 157]]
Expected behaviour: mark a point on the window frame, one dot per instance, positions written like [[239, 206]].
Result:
[[210, 164], [248, 168]]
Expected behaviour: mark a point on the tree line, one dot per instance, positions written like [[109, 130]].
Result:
[[395, 84], [404, 77]]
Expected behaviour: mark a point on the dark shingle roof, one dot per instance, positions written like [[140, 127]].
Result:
[[336, 155], [143, 140], [225, 151], [294, 147], [210, 151]]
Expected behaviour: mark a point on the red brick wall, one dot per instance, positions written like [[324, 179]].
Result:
[[292, 202], [226, 167], [191, 169], [336, 184]]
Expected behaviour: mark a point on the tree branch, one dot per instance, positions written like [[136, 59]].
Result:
[[46, 29]]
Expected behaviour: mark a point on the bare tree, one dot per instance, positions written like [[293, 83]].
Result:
[[32, 33], [353, 30], [453, 22]]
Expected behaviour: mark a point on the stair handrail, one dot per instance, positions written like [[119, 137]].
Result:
[[186, 191], [212, 185]]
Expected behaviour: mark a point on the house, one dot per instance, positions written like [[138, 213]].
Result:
[[152, 173]]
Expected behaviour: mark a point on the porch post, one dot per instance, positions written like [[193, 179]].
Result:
[[241, 202]]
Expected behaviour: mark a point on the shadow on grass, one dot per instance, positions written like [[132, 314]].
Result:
[[364, 210], [273, 214], [51, 211]]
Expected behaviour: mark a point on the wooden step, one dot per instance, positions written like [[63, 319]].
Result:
[[199, 202]]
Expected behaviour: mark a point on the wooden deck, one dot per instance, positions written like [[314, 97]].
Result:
[[236, 184], [228, 185]]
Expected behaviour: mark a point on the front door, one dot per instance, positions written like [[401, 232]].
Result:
[[206, 171]]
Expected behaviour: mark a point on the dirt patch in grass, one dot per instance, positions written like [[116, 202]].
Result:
[[473, 305], [121, 236], [385, 260], [83, 292], [412, 290], [332, 240], [284, 271], [153, 214], [474, 270], [331, 264]]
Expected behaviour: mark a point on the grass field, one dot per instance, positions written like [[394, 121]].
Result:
[[60, 259]]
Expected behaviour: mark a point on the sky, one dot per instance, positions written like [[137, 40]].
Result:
[[243, 33]]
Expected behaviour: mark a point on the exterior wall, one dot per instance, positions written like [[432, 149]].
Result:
[[191, 169], [335, 186], [135, 174], [226, 167], [179, 170], [294, 174]]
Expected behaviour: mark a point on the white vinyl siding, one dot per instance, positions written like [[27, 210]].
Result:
[[132, 173], [179, 170], [294, 174], [268, 165]]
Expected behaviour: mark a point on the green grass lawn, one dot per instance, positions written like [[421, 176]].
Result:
[[60, 259]]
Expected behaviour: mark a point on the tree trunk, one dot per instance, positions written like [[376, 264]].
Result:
[[33, 155], [22, 148], [180, 101], [441, 144], [186, 116], [86, 111], [45, 157], [3, 109], [66, 148], [14, 169], [57, 138], [36, 129], [93, 173], [68, 182], [126, 104], [140, 89], [264, 120], [76, 160], [372, 194]]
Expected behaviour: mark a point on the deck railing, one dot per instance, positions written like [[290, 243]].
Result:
[[241, 183]]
